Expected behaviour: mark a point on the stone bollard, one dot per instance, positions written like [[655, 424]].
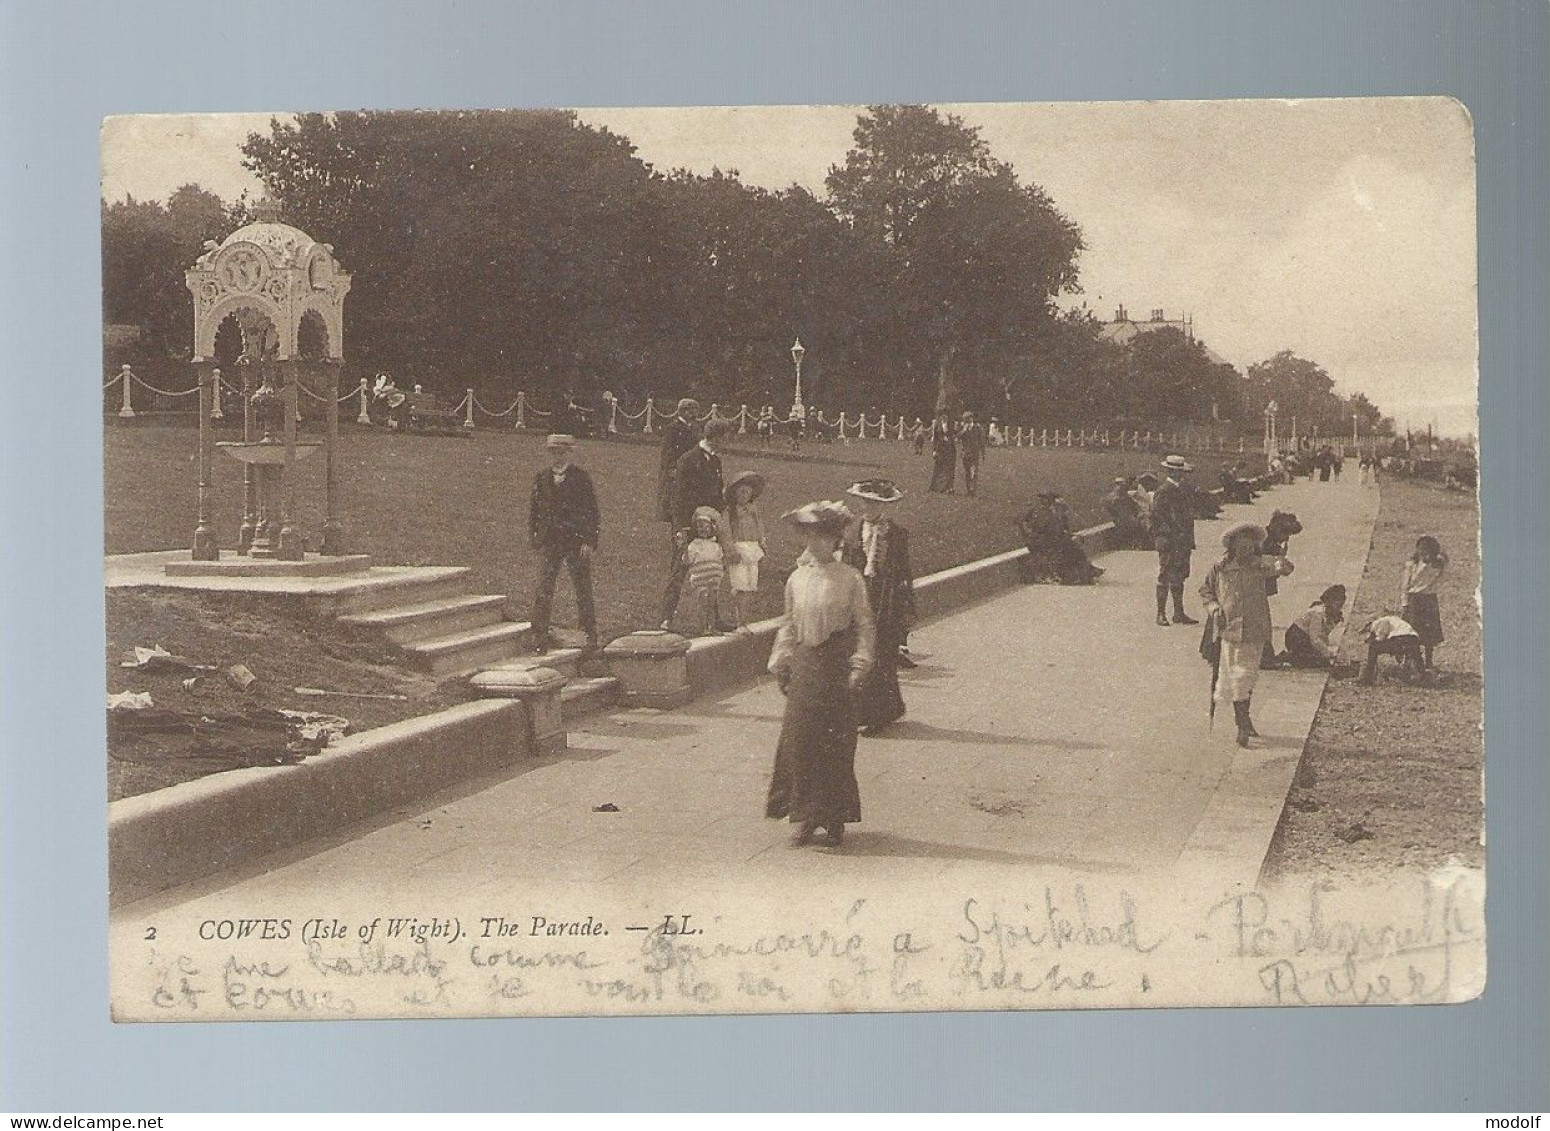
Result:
[[539, 690], [651, 668]]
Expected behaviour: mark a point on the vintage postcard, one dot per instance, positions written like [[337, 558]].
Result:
[[768, 559]]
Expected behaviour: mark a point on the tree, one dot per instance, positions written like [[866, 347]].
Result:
[[493, 249], [975, 259], [146, 247]]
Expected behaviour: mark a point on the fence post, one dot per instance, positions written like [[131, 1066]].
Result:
[[647, 430], [127, 376], [613, 416], [521, 412], [468, 421], [742, 421], [215, 395], [205, 548], [364, 415]]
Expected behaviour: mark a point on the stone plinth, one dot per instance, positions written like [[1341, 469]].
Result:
[[651, 667], [539, 690], [313, 565]]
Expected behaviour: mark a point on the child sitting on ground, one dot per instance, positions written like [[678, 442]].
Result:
[[1391, 635], [1307, 637], [704, 571], [1419, 583]]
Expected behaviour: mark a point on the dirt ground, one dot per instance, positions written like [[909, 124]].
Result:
[[282, 649], [1391, 779]]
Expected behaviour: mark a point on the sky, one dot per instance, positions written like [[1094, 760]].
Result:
[[1341, 229]]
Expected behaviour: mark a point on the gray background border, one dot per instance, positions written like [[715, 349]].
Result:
[[65, 66]]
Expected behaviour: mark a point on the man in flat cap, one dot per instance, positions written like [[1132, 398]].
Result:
[[563, 525]]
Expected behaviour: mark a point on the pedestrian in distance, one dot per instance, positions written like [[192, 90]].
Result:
[[971, 444], [1234, 597], [563, 528], [918, 435], [881, 552], [743, 534], [1172, 522], [1420, 581], [824, 650], [944, 455]]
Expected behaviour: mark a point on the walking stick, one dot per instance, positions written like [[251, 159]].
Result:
[[1212, 642]]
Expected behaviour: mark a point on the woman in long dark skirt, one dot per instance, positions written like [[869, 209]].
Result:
[[822, 654], [881, 552]]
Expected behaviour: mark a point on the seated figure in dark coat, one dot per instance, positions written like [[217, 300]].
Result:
[[1054, 555], [1124, 512]]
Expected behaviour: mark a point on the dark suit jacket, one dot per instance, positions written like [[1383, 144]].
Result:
[[892, 590], [564, 516], [1173, 516], [696, 483], [677, 439]]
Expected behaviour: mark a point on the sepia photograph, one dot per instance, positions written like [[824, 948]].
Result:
[[792, 559]]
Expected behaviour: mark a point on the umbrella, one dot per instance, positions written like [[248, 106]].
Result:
[[1211, 652]]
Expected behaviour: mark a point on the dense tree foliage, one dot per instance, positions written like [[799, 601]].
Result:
[[530, 250], [1302, 390], [146, 247]]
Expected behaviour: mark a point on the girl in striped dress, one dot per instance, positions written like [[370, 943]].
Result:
[[704, 570]]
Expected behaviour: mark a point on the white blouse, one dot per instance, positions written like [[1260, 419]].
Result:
[[822, 598]]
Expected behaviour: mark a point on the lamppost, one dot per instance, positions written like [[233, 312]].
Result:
[[796, 355], [1270, 427]]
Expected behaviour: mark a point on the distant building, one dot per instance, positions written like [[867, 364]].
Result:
[[1122, 330]]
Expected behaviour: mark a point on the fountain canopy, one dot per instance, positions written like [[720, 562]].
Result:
[[271, 269]]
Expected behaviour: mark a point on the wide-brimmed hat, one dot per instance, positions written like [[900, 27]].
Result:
[[1121, 481], [1238, 528], [1146, 477], [1177, 463], [688, 404], [878, 490], [558, 440], [706, 514], [1333, 593], [828, 514], [750, 479]]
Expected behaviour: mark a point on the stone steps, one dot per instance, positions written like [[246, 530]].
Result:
[[566, 661], [426, 620], [468, 650], [394, 588]]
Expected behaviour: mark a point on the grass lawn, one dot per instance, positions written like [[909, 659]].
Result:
[[1391, 777], [427, 500]]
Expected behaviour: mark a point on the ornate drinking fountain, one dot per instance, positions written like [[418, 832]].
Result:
[[286, 293]]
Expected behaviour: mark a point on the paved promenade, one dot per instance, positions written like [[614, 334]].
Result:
[[1056, 729]]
